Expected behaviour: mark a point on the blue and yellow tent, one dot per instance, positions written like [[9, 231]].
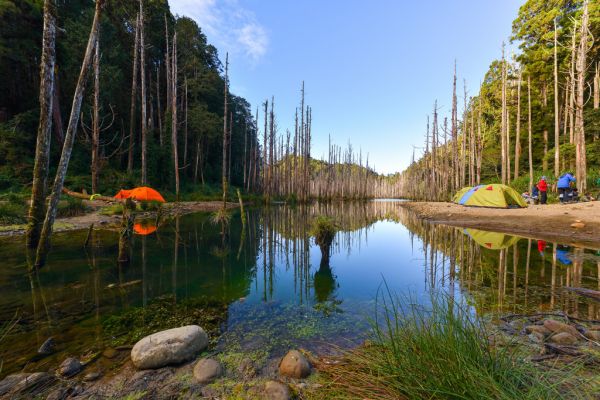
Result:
[[494, 195]]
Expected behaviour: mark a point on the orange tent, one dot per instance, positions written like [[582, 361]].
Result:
[[144, 229], [142, 193], [145, 193], [123, 194]]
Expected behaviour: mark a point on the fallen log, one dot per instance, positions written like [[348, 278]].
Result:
[[92, 197], [589, 293]]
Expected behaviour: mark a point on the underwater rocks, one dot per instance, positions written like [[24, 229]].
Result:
[[71, 366], [276, 391], [207, 370], [47, 347], [172, 346], [30, 384], [294, 365]]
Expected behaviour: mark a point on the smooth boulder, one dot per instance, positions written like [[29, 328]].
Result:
[[172, 346], [207, 370], [294, 365]]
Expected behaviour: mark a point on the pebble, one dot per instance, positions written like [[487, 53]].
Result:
[[207, 370], [247, 369], [593, 335], [577, 225], [537, 329], [92, 376], [564, 338], [276, 391], [294, 365], [47, 347], [557, 326], [71, 366]]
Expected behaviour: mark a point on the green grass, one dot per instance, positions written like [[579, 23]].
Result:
[[13, 209], [443, 352]]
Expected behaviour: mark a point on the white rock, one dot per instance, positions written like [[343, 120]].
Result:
[[172, 346]]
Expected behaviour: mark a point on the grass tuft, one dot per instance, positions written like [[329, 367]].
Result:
[[442, 352]]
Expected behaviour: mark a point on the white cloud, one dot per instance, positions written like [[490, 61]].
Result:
[[227, 25]]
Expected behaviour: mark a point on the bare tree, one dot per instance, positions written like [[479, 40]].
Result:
[[37, 209], [144, 102], [225, 117], [556, 107], [136, 51], [580, 156], [174, 115], [44, 243]]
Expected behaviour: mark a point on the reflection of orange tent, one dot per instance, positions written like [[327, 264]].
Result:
[[142, 193], [144, 229], [123, 194]]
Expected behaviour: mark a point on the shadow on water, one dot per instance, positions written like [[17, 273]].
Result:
[[263, 286]]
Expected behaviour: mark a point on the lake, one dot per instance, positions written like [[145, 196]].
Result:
[[261, 288]]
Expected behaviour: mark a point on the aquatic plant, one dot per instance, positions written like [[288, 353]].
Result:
[[442, 352], [221, 216]]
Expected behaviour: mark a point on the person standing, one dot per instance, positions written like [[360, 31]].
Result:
[[564, 186], [543, 188]]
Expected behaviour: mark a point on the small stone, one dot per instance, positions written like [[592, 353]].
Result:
[[47, 347], [92, 376], [71, 366], [294, 365], [536, 337], [557, 326], [207, 370], [276, 391], [247, 369], [109, 353], [577, 225], [564, 338], [538, 329], [593, 335]]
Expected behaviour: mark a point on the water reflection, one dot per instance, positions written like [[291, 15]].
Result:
[[276, 288]]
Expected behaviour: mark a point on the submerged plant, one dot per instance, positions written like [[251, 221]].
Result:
[[221, 216], [442, 352]]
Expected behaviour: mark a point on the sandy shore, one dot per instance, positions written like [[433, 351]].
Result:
[[113, 221], [551, 222]]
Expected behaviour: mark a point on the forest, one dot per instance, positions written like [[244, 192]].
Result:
[[535, 113]]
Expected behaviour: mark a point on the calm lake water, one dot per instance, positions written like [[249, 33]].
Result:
[[267, 280]]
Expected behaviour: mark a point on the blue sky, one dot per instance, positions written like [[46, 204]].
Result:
[[372, 69]]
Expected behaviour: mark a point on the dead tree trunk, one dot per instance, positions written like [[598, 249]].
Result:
[[63, 164], [518, 128], [580, 156], [556, 107], [174, 115], [529, 133], [96, 120], [503, 120], [136, 50], [144, 103], [225, 117], [37, 209], [454, 133]]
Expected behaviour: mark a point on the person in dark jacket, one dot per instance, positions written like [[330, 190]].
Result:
[[543, 188], [564, 186]]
